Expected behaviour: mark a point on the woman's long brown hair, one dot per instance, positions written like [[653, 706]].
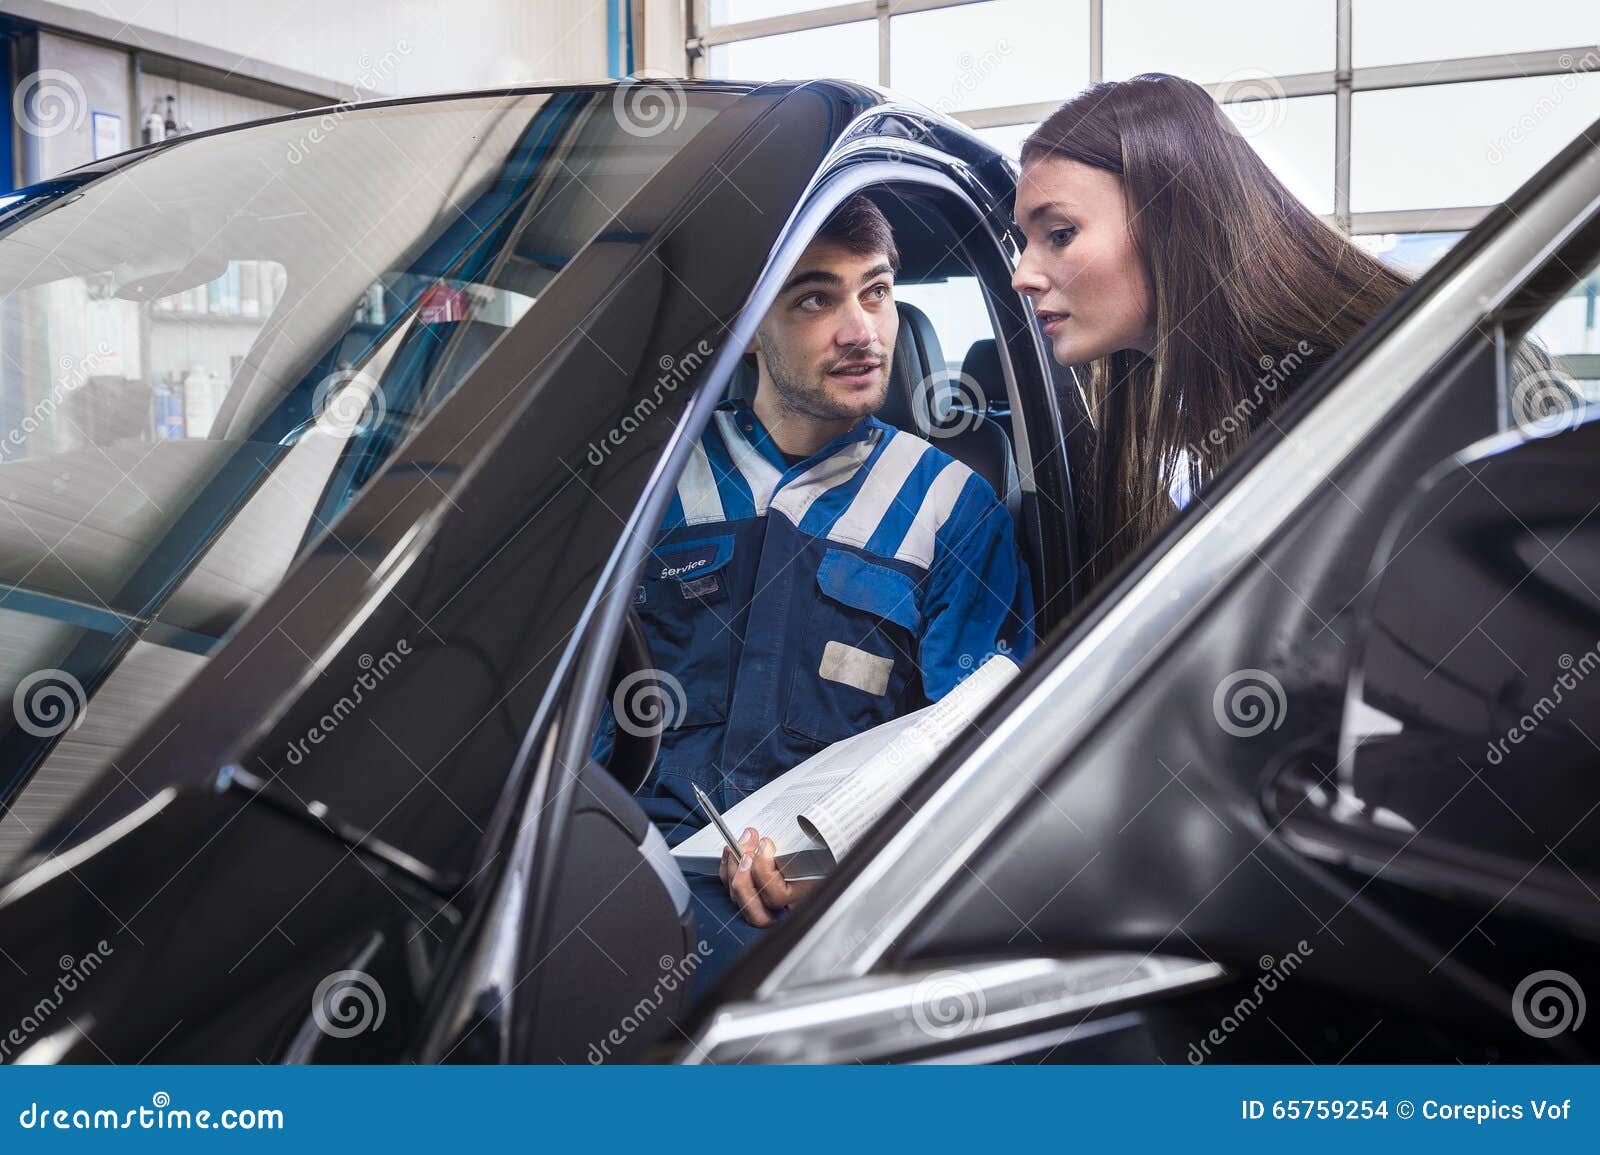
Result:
[[1250, 293]]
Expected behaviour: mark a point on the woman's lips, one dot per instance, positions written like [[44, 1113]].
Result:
[[1050, 322]]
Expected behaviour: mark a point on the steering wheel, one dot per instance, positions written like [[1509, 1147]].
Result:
[[636, 736]]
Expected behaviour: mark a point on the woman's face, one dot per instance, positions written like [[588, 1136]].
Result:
[[1080, 267]]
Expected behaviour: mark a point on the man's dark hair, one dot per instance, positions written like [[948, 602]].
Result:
[[860, 226]]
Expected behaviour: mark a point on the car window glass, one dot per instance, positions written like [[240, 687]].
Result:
[[207, 352], [1553, 376]]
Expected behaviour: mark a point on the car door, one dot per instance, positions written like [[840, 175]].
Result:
[[1143, 849], [328, 802], [567, 936]]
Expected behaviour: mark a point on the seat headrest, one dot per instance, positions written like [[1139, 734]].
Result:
[[982, 365], [742, 386], [917, 358]]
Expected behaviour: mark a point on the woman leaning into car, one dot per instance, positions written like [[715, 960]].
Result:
[[1162, 257]]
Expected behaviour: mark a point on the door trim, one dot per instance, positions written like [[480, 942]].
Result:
[[1096, 667]]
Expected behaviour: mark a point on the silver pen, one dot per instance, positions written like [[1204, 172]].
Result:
[[711, 812]]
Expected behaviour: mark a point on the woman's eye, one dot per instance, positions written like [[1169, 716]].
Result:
[[1059, 237]]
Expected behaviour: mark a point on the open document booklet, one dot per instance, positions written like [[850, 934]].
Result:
[[817, 811]]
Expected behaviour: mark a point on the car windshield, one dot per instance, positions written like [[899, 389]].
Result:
[[207, 352]]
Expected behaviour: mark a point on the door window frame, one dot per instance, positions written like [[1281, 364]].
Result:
[[1030, 733]]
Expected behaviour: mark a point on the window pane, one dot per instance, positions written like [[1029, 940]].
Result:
[[844, 51], [1390, 33], [205, 354], [1273, 37], [1009, 138], [1413, 253], [1570, 334], [957, 310], [1462, 144], [995, 53], [848, 51], [1569, 327], [1295, 138], [737, 11]]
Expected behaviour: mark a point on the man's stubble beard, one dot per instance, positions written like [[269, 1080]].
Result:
[[809, 397]]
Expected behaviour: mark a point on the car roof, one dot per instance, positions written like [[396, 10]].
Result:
[[861, 93]]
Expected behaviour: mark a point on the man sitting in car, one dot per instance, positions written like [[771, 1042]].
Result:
[[818, 572]]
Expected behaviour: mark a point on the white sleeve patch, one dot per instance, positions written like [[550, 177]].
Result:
[[853, 667]]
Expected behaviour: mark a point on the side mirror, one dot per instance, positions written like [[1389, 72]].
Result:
[[1472, 716]]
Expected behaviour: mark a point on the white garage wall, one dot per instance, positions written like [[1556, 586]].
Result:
[[448, 44], [1394, 119]]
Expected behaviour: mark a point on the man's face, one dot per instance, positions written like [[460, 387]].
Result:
[[826, 344]]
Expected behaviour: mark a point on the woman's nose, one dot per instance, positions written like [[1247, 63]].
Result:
[[1027, 280]]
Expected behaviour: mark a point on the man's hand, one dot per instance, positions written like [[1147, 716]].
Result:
[[754, 882]]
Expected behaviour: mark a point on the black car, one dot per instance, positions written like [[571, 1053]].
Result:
[[341, 436]]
